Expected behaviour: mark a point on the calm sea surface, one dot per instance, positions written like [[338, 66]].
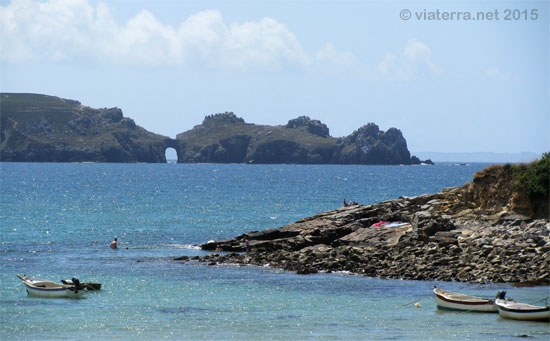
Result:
[[56, 222]]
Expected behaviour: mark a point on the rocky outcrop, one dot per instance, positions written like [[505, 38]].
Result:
[[52, 129], [227, 138], [369, 145], [314, 127], [217, 120], [458, 234]]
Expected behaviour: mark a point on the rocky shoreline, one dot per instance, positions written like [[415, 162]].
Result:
[[464, 234]]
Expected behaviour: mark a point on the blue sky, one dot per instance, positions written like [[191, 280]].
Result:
[[449, 85]]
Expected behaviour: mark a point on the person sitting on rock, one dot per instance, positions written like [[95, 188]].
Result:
[[351, 203]]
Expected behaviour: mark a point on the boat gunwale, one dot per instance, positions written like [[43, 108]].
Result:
[[46, 289], [53, 285], [527, 310], [481, 301]]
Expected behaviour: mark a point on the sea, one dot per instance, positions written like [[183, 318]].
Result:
[[57, 220]]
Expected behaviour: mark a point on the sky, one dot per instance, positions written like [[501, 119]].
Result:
[[448, 82]]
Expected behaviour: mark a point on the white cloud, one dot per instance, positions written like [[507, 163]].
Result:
[[330, 54], [27, 29], [421, 53], [59, 30], [415, 60], [266, 41], [76, 30], [387, 63], [417, 50]]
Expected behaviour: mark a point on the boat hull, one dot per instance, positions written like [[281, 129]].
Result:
[[54, 292], [522, 311], [44, 288], [445, 300]]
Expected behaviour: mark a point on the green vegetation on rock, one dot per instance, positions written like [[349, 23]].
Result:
[[51, 129], [225, 137], [535, 177], [523, 188]]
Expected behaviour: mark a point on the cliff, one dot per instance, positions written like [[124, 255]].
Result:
[[494, 229], [51, 129], [227, 138]]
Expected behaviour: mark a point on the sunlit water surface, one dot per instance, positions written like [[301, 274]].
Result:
[[57, 220]]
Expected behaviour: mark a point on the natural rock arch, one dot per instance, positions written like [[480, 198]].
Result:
[[172, 143], [170, 154]]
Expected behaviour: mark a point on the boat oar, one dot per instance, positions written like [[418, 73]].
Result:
[[544, 299]]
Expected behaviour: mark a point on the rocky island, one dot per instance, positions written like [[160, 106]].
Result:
[[226, 138], [41, 128], [494, 229]]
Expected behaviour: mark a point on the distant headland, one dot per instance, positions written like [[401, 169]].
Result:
[[42, 128]]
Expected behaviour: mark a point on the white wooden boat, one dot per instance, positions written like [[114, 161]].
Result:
[[522, 311], [455, 301], [44, 288]]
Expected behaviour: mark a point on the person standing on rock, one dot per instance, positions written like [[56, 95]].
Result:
[[246, 244]]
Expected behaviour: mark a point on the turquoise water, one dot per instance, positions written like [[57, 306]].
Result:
[[57, 220]]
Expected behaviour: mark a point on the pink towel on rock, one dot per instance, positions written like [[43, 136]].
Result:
[[379, 223]]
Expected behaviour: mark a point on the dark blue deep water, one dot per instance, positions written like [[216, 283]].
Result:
[[56, 221]]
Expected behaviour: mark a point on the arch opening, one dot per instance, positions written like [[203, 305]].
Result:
[[171, 155]]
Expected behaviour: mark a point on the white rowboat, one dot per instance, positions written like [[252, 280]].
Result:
[[44, 288], [455, 301], [522, 311]]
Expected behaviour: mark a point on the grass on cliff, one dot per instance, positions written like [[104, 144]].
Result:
[[535, 177], [200, 137], [16, 101], [526, 187], [22, 112]]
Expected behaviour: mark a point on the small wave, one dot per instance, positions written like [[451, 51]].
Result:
[[182, 246]]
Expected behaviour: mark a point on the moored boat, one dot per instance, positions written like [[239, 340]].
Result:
[[461, 302], [45, 288], [522, 311]]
